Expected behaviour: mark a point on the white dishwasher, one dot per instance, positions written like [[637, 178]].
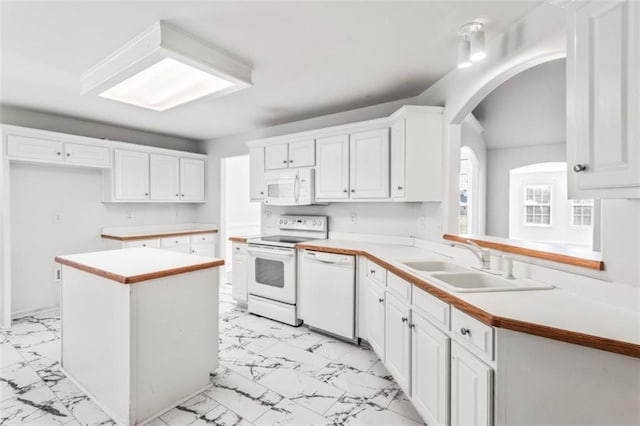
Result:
[[327, 292]]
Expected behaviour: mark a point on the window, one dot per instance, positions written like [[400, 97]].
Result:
[[582, 213], [464, 200], [537, 205]]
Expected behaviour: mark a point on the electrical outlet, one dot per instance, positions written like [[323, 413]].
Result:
[[354, 218], [57, 273], [129, 214], [267, 213], [57, 217]]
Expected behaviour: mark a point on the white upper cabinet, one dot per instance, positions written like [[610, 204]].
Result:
[[142, 177], [369, 164], [164, 177], [276, 156], [603, 94], [192, 179], [416, 154], [294, 154], [256, 173], [131, 175], [41, 149], [332, 172], [302, 153]]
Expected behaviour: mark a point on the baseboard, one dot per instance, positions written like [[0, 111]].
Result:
[[28, 312]]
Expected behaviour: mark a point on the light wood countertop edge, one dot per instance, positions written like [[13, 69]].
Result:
[[577, 338], [583, 262], [159, 235], [132, 279], [238, 239]]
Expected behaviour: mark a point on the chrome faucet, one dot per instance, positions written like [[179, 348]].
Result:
[[483, 254]]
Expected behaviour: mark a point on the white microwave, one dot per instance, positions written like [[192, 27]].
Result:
[[290, 187]]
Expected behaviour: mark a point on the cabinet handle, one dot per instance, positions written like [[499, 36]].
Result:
[[405, 319], [261, 193], [58, 153], [290, 161], [193, 251], [68, 154], [353, 190], [146, 193], [380, 300], [412, 325], [372, 272], [465, 331], [400, 188], [177, 195], [346, 190], [284, 161], [144, 245], [182, 195], [579, 168]]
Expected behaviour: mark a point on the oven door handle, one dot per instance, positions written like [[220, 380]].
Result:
[[256, 252]]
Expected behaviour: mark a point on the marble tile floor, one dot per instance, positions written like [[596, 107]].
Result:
[[269, 373]]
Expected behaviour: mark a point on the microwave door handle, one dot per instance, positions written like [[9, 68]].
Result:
[[296, 188]]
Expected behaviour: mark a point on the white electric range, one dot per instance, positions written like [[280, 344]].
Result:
[[273, 263]]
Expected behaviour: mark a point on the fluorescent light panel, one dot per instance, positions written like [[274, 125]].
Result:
[[164, 67], [166, 84]]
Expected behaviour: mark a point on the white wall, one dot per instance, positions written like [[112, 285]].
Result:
[[499, 164], [560, 230], [39, 192]]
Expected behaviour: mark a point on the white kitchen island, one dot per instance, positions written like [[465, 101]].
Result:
[[139, 328]]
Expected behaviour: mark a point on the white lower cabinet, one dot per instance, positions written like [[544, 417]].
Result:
[[198, 244], [151, 243], [239, 277], [471, 389], [375, 314], [430, 352], [398, 341]]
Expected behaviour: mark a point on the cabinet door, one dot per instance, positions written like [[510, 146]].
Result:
[[239, 265], [369, 164], [302, 153], [206, 250], [86, 155], [471, 389], [398, 159], [398, 341], [191, 179], [164, 177], [256, 173], [374, 312], [276, 156], [34, 148], [332, 172], [429, 371], [604, 100], [131, 171]]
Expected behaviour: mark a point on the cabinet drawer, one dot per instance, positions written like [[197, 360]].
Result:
[[435, 309], [154, 243], [376, 273], [202, 238], [87, 155], [34, 148], [174, 241], [401, 287], [473, 332], [239, 248]]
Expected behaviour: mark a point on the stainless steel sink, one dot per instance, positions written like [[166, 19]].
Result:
[[469, 282], [434, 265]]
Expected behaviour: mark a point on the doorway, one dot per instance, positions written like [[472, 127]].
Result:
[[239, 215]]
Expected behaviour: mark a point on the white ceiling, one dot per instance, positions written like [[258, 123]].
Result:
[[309, 58]]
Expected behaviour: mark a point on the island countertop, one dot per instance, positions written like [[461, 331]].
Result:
[[133, 265]]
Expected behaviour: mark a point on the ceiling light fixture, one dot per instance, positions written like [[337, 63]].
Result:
[[164, 67], [464, 52], [473, 34]]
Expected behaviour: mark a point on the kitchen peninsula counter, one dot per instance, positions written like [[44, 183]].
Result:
[[139, 328], [556, 314]]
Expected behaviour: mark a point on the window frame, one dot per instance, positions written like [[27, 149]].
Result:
[[580, 203], [550, 205]]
